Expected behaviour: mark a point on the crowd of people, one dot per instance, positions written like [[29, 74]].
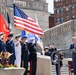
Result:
[[22, 52], [49, 51]]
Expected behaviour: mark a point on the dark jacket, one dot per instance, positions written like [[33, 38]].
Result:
[[48, 53], [24, 52], [10, 48], [32, 50], [2, 46], [72, 46]]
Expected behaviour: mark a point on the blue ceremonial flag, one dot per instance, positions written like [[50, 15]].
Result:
[[23, 33], [29, 36]]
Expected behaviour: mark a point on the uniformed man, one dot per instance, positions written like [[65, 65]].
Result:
[[32, 56], [10, 48], [2, 44], [17, 50], [24, 54]]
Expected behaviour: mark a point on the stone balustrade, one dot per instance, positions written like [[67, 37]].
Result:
[[59, 29], [61, 34]]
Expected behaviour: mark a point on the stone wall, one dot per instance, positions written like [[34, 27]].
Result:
[[29, 4], [61, 35]]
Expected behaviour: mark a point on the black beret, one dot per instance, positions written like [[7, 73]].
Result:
[[10, 35]]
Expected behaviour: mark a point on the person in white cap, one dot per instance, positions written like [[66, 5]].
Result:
[[17, 50], [33, 56]]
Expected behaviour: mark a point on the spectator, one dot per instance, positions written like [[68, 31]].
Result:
[[60, 62], [47, 52]]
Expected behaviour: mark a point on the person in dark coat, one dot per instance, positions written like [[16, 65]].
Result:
[[60, 61], [11, 49], [73, 47], [24, 54], [2, 44], [47, 52], [32, 56]]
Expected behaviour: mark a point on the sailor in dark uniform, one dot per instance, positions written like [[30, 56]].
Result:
[[24, 54], [2, 44], [10, 48], [33, 56]]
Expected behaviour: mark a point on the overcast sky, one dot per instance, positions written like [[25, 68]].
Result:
[[50, 6]]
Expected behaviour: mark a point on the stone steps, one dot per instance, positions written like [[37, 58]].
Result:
[[64, 69]]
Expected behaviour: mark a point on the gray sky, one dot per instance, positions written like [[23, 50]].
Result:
[[50, 6]]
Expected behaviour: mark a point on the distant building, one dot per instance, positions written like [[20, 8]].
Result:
[[51, 21], [64, 10]]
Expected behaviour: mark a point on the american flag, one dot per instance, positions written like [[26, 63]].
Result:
[[24, 22]]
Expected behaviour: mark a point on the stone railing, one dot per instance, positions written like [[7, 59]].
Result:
[[21, 3], [58, 30]]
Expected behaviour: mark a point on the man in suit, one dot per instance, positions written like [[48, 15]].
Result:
[[73, 47], [24, 54], [33, 56], [10, 48], [2, 44]]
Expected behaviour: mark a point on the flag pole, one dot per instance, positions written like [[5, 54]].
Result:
[[37, 36]]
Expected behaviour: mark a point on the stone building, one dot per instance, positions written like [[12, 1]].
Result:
[[36, 9]]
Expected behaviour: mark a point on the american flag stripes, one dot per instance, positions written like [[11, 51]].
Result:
[[24, 22]]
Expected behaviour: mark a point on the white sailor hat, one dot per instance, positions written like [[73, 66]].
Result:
[[18, 35], [46, 47], [1, 33], [32, 38]]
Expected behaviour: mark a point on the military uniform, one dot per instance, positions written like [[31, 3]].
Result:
[[24, 56], [11, 49], [2, 46], [17, 50], [33, 57]]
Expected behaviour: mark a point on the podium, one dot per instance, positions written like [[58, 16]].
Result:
[[43, 65]]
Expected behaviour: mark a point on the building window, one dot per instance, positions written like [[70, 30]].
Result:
[[62, 20], [73, 17], [58, 21], [57, 11], [67, 13], [56, 0], [61, 10], [73, 7], [61, 0]]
